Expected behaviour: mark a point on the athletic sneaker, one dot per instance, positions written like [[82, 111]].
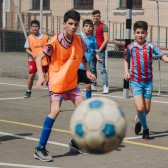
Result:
[[42, 154], [105, 89], [28, 94], [74, 147], [138, 126], [145, 135]]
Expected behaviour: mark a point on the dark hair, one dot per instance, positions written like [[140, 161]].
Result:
[[141, 24], [87, 21], [95, 12], [71, 14], [35, 22]]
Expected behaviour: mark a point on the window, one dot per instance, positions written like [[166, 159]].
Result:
[[36, 5], [83, 4], [136, 4]]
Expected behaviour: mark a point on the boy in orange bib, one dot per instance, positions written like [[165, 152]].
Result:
[[34, 45], [66, 52]]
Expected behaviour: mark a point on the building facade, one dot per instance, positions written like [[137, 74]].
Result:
[[113, 14]]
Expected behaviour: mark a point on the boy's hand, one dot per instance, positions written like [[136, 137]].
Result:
[[90, 76], [127, 76], [34, 57], [99, 60], [40, 82]]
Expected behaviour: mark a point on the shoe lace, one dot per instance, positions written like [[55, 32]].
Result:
[[43, 151]]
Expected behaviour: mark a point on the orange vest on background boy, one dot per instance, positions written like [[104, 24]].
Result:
[[37, 46], [64, 64]]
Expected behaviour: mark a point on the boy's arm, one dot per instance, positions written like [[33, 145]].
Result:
[[40, 80], [88, 73], [158, 53], [31, 53], [98, 57], [105, 34], [126, 72], [165, 58]]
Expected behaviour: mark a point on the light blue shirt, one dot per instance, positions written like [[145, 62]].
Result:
[[91, 44]]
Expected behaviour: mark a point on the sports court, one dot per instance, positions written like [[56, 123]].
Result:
[[21, 121]]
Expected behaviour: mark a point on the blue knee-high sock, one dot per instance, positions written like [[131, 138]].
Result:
[[48, 123], [88, 94], [142, 119], [146, 113]]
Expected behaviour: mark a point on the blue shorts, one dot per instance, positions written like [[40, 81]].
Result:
[[142, 88]]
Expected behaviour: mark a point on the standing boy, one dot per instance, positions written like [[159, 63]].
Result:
[[100, 31], [66, 51], [140, 52], [34, 46], [92, 51]]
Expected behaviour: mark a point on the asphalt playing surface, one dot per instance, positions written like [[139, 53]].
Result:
[[21, 121]]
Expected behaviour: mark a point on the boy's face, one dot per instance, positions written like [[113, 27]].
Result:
[[140, 35], [96, 17], [35, 29], [87, 28], [71, 27]]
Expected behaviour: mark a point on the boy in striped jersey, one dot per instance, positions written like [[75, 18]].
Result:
[[140, 53]]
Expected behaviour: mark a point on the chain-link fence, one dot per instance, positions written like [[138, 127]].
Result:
[[113, 13]]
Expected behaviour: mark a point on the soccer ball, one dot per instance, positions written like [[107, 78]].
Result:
[[98, 125]]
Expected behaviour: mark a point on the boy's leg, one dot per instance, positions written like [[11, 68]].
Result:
[[87, 85], [104, 72], [147, 96], [88, 91], [73, 145], [82, 78], [93, 70], [76, 97], [32, 72], [30, 82], [40, 152], [140, 106], [138, 94]]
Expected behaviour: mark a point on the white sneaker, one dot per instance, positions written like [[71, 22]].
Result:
[[105, 89], [84, 90], [93, 88]]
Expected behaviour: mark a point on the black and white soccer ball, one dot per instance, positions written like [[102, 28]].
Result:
[[98, 125]]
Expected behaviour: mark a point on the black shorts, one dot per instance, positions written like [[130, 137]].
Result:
[[82, 77]]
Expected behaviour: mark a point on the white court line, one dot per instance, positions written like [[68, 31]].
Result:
[[34, 139], [22, 165], [15, 98], [65, 145], [12, 98], [151, 135], [107, 95], [13, 84]]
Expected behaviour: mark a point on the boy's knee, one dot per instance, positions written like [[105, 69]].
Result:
[[103, 70], [140, 109]]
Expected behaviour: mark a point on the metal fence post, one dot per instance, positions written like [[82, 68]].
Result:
[[127, 41], [41, 16]]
